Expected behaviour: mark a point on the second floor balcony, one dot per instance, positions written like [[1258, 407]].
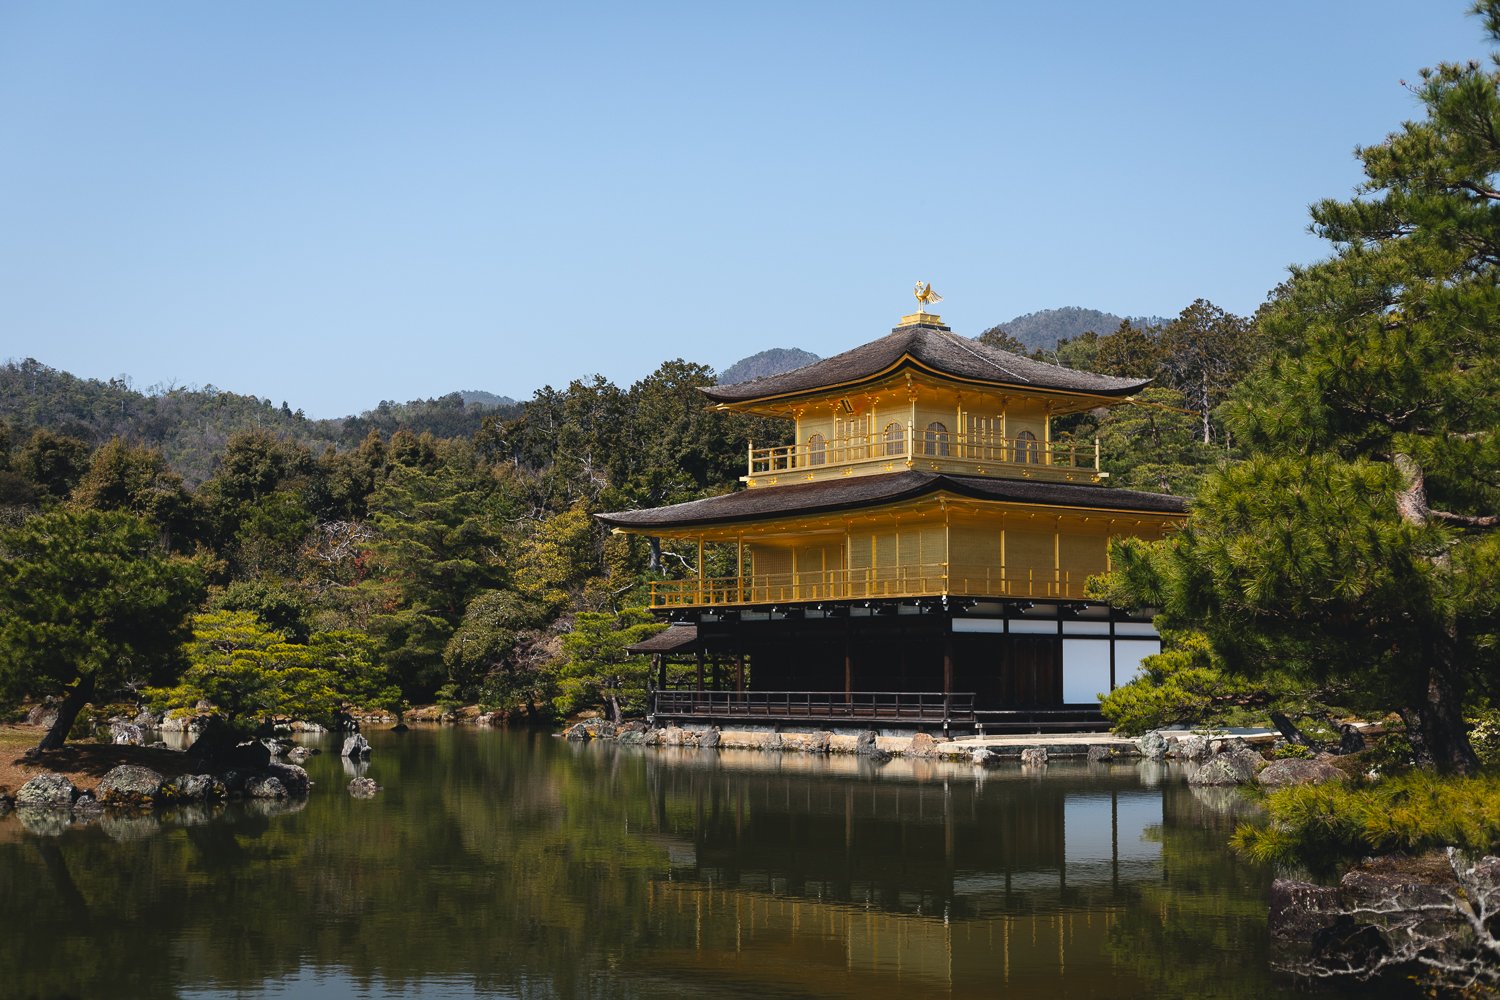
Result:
[[933, 448], [932, 580]]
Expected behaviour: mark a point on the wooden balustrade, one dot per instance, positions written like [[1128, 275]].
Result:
[[932, 580], [962, 448]]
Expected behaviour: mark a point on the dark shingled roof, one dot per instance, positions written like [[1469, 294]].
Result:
[[933, 348], [675, 638], [869, 491]]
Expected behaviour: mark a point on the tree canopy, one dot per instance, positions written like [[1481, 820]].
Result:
[[1361, 541]]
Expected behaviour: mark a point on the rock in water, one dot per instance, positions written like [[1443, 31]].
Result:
[[1100, 755], [1034, 756], [298, 755], [709, 737], [1153, 746], [1280, 773], [293, 778], [130, 786], [576, 732], [197, 788], [985, 756], [879, 756], [1235, 768], [47, 791], [356, 747], [363, 788], [265, 787], [865, 744]]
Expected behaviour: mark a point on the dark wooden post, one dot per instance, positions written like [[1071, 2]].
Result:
[[947, 677]]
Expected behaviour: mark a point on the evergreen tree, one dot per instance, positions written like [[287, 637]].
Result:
[[1362, 543], [88, 603]]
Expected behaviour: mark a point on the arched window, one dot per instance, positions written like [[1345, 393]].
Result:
[[817, 450], [1028, 451], [895, 438], [937, 439]]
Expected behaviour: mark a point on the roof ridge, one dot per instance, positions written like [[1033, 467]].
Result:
[[964, 343]]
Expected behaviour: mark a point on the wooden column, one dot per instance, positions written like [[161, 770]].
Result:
[[947, 675]]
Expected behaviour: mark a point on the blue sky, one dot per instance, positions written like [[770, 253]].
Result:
[[338, 203]]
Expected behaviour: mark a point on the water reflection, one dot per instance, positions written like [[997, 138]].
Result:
[[523, 865]]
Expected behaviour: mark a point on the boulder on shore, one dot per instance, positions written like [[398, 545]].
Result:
[[1294, 771], [126, 734], [1233, 768], [293, 778], [46, 791], [130, 786], [196, 788], [1033, 756], [1153, 746], [922, 745]]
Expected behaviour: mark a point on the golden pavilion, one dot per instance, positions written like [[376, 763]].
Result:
[[915, 557]]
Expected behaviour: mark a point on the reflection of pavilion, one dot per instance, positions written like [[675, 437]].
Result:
[[951, 884], [951, 844]]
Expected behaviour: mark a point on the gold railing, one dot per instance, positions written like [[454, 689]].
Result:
[[932, 580], [990, 449]]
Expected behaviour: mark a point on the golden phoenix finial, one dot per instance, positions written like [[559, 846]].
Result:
[[925, 296]]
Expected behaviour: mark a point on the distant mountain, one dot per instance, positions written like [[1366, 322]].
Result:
[[772, 362], [1043, 329], [478, 397]]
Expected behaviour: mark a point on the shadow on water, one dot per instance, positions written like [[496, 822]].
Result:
[[518, 864]]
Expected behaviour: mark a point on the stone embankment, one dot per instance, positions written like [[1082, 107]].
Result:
[[266, 772], [1209, 760], [1027, 750]]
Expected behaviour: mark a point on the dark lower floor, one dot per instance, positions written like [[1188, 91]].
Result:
[[905, 663]]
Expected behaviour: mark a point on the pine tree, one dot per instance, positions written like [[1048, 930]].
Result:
[[1361, 545]]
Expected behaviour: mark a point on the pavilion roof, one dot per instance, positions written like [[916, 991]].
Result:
[[768, 502], [675, 638], [934, 348]]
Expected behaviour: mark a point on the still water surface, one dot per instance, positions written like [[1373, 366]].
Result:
[[515, 864]]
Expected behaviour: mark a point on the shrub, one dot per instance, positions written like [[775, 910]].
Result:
[[1317, 825]]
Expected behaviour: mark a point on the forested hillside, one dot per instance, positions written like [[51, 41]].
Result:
[[190, 427], [771, 362], [1042, 330]]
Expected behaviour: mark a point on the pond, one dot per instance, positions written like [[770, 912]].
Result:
[[516, 864]]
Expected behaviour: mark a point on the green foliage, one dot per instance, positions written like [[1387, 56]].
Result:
[[123, 477], [1293, 751], [595, 669], [280, 608], [89, 599], [1317, 825], [1182, 684], [498, 652], [252, 675], [1484, 737], [53, 463], [1377, 421]]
